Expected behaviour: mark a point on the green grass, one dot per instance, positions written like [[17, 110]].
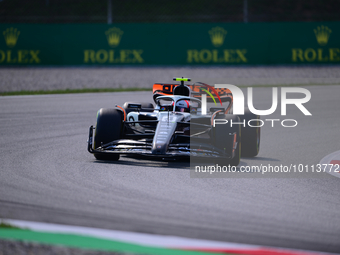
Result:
[[70, 91], [8, 226]]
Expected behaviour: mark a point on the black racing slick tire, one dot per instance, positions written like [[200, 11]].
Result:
[[251, 135], [224, 141], [108, 129]]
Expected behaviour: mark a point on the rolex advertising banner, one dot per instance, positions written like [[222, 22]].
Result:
[[170, 44]]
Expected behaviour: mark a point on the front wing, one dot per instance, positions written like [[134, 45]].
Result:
[[144, 148]]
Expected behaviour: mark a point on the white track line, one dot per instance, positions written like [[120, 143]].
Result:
[[131, 237], [144, 239]]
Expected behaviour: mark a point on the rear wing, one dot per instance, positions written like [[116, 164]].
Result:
[[197, 90]]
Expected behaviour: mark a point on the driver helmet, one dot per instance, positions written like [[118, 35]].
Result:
[[183, 106]]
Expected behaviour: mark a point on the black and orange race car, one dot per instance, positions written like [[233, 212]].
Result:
[[175, 126]]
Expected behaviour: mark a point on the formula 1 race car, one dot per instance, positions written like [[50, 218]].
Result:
[[175, 127]]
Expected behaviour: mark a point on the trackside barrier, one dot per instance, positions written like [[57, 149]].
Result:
[[170, 44]]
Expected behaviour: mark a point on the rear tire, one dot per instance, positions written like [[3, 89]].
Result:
[[250, 135], [223, 139], [108, 129]]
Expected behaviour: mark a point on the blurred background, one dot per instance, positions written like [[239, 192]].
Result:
[[114, 11], [278, 39]]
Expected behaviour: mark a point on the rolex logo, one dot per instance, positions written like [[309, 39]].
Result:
[[217, 35], [322, 34], [11, 36], [113, 36]]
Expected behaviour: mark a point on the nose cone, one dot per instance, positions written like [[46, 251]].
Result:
[[165, 129]]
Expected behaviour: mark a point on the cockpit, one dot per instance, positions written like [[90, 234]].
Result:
[[178, 104]]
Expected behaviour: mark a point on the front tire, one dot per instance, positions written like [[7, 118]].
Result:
[[108, 129]]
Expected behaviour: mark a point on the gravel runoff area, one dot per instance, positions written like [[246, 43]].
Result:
[[8, 247], [17, 79]]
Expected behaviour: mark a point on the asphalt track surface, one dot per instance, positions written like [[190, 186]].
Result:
[[48, 176]]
